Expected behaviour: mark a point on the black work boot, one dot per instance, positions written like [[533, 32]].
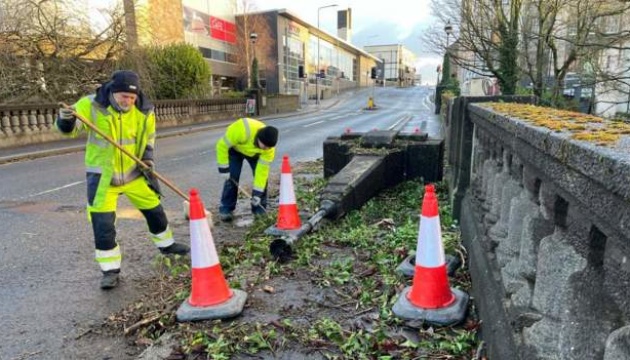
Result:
[[175, 248], [109, 279], [227, 217]]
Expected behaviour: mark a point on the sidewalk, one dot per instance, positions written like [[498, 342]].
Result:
[[34, 151]]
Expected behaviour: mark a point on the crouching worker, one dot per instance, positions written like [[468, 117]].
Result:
[[250, 140], [121, 111]]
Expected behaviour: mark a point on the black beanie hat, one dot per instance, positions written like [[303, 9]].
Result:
[[268, 136], [125, 81]]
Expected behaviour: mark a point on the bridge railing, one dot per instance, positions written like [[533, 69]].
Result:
[[546, 222]]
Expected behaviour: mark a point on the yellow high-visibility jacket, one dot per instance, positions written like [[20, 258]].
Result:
[[241, 136], [105, 164]]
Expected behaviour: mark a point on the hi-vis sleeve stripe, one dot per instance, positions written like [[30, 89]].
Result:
[[227, 142], [128, 141], [248, 130], [92, 139]]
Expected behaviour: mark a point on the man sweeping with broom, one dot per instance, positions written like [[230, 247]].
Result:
[[121, 111]]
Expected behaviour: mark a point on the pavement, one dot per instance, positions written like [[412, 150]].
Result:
[[34, 151]]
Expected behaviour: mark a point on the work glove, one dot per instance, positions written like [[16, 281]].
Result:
[[66, 114], [150, 164], [256, 200], [152, 180], [224, 176]]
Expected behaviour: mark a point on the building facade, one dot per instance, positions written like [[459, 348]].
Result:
[[398, 64], [294, 57], [208, 25], [304, 60]]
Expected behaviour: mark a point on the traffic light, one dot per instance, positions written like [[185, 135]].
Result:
[[373, 73], [301, 71]]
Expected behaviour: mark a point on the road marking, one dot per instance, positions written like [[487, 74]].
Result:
[[337, 117], [58, 188], [176, 159], [405, 117], [315, 123], [426, 103]]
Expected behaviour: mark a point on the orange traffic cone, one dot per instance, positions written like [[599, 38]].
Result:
[[430, 297], [288, 217], [210, 296]]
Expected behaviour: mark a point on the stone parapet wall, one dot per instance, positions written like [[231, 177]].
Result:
[[31, 124], [280, 104], [546, 222]]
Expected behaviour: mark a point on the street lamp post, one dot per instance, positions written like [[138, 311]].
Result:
[[448, 29], [318, 72], [253, 37]]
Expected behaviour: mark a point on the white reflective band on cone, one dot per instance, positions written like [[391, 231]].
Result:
[[287, 195], [430, 252], [203, 254]]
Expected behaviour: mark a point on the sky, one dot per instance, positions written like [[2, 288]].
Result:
[[373, 23]]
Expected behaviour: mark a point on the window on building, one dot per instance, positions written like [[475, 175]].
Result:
[[289, 69], [217, 55]]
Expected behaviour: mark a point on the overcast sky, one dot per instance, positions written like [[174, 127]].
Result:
[[408, 18]]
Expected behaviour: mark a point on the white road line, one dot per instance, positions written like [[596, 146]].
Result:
[[398, 122], [424, 103], [58, 188], [315, 123], [176, 159], [338, 117]]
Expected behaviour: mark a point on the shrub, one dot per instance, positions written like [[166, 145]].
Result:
[[175, 71]]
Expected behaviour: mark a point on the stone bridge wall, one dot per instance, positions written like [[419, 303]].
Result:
[[30, 124], [546, 222]]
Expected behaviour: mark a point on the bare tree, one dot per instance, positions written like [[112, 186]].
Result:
[[541, 39], [594, 29], [487, 37], [50, 51], [538, 29], [249, 21]]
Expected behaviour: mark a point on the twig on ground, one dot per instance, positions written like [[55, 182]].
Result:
[[149, 320], [83, 333], [363, 312]]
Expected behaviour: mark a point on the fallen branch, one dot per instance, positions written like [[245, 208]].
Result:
[[149, 320], [363, 312], [83, 333]]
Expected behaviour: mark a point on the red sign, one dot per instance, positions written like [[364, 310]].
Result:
[[204, 24], [222, 30]]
